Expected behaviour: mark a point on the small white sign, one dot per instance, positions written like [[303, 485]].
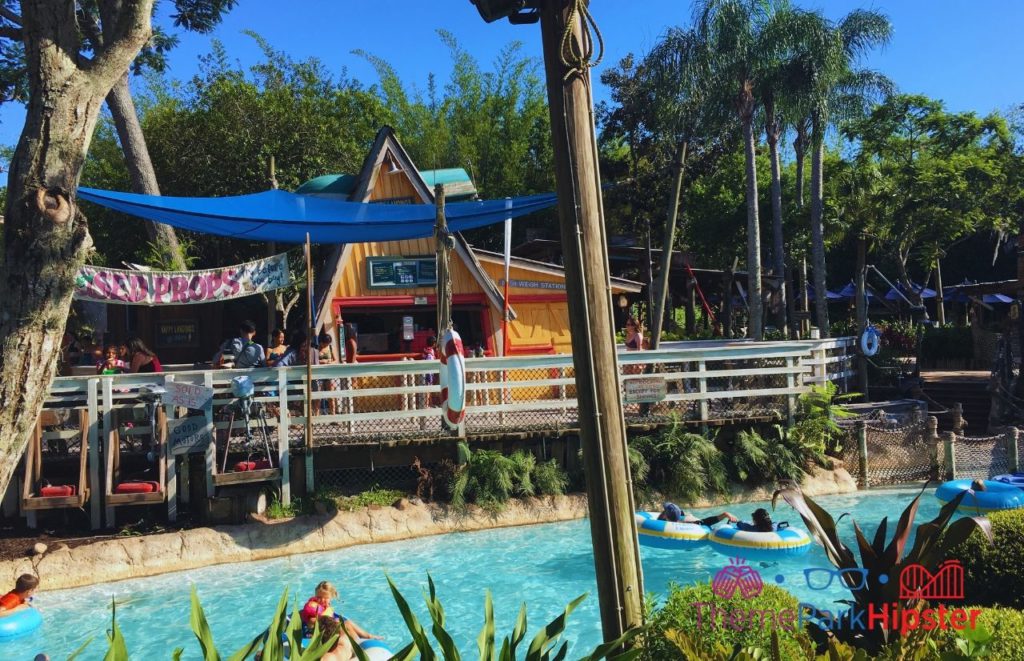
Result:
[[408, 329], [645, 391], [188, 435], [188, 395], [419, 300]]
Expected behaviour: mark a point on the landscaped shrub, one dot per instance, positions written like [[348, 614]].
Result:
[[679, 614], [1006, 626], [817, 431], [682, 464], [489, 478], [549, 479], [757, 460], [994, 573]]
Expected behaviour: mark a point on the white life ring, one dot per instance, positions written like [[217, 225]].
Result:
[[869, 341], [453, 380]]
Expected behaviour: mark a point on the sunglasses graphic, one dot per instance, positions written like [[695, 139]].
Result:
[[820, 578]]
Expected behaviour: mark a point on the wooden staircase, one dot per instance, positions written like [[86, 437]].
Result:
[[969, 388]]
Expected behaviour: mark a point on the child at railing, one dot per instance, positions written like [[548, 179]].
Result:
[[111, 363]]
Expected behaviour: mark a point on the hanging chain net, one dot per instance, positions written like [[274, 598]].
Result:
[[896, 454], [982, 457]]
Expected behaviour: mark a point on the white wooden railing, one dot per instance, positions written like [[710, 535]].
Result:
[[383, 402]]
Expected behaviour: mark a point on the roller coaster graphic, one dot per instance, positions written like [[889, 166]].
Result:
[[916, 582]]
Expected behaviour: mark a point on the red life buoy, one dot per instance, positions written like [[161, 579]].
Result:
[[453, 380]]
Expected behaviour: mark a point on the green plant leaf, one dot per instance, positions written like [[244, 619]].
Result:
[[605, 649], [118, 649], [201, 629], [81, 648], [448, 647], [518, 631], [551, 632], [485, 641], [419, 635]]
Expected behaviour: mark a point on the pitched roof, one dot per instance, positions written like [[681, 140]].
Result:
[[362, 184]]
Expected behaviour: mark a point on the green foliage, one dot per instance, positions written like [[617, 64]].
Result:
[[682, 464], [373, 496], [758, 460], [994, 572], [549, 479], [933, 542], [489, 478], [817, 431], [278, 510], [679, 614]]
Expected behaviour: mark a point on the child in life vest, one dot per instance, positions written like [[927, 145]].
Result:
[[18, 598]]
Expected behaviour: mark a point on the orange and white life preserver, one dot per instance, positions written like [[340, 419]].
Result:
[[453, 380]]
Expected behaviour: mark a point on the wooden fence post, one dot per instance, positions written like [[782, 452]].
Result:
[[283, 432], [171, 478], [862, 452], [96, 486], [958, 419], [932, 437], [949, 443], [1012, 450], [791, 365]]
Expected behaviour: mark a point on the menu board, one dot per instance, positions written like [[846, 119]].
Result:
[[177, 333], [385, 272]]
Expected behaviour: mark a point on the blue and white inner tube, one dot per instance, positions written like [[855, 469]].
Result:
[[376, 650], [996, 496], [668, 534], [736, 543], [1013, 479], [19, 624]]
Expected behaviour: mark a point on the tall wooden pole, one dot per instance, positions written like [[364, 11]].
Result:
[[443, 242], [309, 367], [271, 251], [588, 288], [861, 305], [940, 307], [667, 241]]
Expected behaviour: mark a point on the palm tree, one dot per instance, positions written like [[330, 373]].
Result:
[[677, 77], [832, 90], [732, 29]]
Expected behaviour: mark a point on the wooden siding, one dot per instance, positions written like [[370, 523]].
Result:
[[354, 282]]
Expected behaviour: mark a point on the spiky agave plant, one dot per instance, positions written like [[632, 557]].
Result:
[[884, 562]]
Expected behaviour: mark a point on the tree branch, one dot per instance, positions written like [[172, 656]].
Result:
[[91, 28], [129, 35], [8, 32]]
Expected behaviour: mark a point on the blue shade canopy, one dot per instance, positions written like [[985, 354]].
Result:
[[277, 215], [829, 294], [924, 292], [850, 291]]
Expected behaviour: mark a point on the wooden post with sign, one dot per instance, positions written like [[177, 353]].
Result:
[[602, 427], [310, 486], [444, 285]]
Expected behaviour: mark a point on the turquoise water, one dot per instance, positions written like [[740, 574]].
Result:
[[544, 565]]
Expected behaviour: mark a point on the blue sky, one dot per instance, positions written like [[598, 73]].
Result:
[[965, 52]]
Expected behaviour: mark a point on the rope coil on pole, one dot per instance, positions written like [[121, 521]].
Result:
[[576, 56]]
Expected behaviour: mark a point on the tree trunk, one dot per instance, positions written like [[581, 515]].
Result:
[[755, 322], [661, 288], [817, 227], [140, 169], [800, 148], [46, 238], [778, 240]]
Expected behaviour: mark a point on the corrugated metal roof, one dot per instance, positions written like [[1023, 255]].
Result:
[[329, 184], [457, 184]]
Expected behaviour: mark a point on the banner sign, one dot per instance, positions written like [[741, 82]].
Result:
[[188, 435], [647, 390], [95, 283], [188, 395]]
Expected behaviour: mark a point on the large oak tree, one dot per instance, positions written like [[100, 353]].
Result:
[[46, 237]]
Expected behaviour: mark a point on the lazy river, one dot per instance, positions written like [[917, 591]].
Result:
[[543, 565]]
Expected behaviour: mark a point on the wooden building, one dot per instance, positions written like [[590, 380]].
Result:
[[380, 287]]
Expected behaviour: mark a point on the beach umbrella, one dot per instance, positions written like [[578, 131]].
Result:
[[829, 294], [894, 295], [954, 295], [996, 298], [849, 292]]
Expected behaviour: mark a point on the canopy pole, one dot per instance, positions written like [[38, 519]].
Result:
[[309, 368], [444, 284]]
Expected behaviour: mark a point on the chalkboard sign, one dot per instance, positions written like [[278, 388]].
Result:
[[428, 271], [383, 272], [177, 333], [187, 435]]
